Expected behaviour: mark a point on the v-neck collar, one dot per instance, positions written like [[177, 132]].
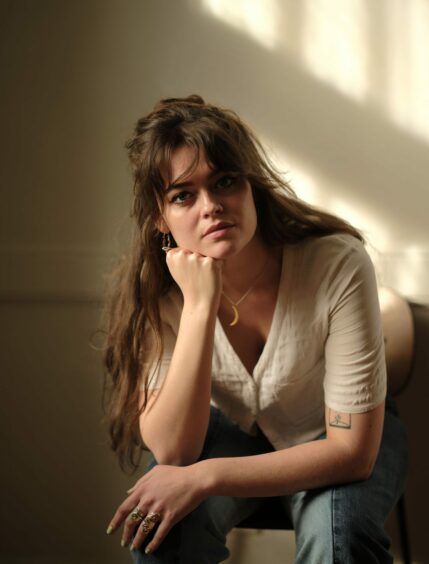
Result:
[[273, 334]]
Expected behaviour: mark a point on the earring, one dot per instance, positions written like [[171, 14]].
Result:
[[166, 242]]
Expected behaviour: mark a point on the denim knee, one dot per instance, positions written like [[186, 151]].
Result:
[[345, 524], [200, 537], [312, 517], [330, 528], [358, 535]]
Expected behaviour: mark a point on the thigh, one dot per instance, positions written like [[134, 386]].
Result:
[[225, 438], [200, 537], [345, 524]]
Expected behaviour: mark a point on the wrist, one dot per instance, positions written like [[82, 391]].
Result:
[[202, 309], [206, 477]]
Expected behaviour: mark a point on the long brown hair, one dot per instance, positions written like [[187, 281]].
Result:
[[134, 333]]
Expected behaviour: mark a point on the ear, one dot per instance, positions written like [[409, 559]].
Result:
[[162, 226]]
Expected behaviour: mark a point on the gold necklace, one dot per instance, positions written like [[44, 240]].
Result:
[[234, 305]]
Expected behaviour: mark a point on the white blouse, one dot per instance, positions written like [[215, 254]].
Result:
[[325, 346]]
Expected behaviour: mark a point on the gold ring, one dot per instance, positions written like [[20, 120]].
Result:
[[150, 521], [137, 514]]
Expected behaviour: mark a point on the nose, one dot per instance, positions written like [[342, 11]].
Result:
[[211, 203]]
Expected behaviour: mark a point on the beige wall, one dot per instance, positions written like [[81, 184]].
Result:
[[323, 85]]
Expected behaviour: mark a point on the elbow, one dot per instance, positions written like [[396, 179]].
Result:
[[169, 455], [175, 459], [172, 451], [362, 469], [172, 454], [366, 471]]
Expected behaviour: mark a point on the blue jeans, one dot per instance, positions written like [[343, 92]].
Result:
[[339, 525]]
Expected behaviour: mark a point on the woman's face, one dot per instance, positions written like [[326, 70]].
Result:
[[211, 212]]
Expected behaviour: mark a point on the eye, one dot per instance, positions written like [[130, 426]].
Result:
[[180, 197], [226, 181]]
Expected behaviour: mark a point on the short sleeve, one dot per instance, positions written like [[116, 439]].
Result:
[[355, 376]]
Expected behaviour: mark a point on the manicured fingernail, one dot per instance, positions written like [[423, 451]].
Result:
[[109, 530], [148, 550], [132, 547], [123, 543]]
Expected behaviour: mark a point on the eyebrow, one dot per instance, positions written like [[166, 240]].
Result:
[[186, 183]]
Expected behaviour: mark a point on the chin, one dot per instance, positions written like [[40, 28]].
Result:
[[223, 250]]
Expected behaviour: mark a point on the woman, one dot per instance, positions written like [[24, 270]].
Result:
[[245, 352]]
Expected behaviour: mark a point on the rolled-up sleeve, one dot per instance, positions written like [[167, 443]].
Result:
[[355, 378]]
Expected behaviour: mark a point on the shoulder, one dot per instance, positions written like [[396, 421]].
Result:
[[332, 246], [325, 257], [324, 269]]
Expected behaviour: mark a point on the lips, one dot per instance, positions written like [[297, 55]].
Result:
[[217, 227]]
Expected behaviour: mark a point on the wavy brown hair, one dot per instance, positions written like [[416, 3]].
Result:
[[134, 333]]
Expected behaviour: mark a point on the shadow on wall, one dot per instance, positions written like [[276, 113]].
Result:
[[352, 143], [361, 160]]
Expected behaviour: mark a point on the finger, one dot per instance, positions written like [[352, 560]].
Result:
[[160, 534], [182, 251], [130, 527], [122, 513], [173, 251], [145, 528]]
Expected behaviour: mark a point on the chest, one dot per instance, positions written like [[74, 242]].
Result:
[[249, 335]]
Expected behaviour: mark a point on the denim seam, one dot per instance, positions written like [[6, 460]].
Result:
[[335, 544]]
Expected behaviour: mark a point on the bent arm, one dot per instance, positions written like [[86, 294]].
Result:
[[354, 377], [174, 423], [346, 455]]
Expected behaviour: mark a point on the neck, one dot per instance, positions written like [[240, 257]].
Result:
[[240, 272]]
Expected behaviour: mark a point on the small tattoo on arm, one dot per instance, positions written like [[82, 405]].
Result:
[[338, 419]]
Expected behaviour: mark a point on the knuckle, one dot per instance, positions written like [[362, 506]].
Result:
[[121, 513], [128, 525], [170, 517]]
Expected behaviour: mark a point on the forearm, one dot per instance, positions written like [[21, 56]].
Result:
[[174, 427], [307, 466]]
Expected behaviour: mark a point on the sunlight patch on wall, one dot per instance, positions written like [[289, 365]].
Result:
[[410, 273], [406, 269], [305, 187], [407, 272], [300, 180], [334, 44], [255, 17], [408, 77], [375, 234], [317, 192]]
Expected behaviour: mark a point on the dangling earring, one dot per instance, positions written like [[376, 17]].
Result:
[[166, 242]]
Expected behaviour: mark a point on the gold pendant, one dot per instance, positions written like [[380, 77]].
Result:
[[235, 320]]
